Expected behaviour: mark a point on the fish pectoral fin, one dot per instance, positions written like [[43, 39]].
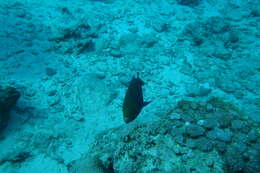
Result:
[[146, 103]]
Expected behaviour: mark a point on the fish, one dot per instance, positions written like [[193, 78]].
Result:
[[133, 100]]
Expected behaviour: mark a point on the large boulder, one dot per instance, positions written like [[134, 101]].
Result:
[[8, 98], [144, 148], [166, 145]]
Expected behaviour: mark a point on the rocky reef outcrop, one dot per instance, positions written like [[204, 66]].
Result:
[[211, 136], [8, 98]]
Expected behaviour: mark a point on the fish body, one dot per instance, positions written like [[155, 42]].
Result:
[[133, 101]]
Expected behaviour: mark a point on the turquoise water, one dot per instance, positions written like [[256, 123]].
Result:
[[66, 66]]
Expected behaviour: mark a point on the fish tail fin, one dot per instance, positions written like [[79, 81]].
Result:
[[146, 103]]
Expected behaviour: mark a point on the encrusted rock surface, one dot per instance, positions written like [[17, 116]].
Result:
[[173, 145], [138, 148]]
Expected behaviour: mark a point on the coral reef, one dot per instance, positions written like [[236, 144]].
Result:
[[8, 98], [202, 138]]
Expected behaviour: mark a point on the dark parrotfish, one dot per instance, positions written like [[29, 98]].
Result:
[[133, 102]]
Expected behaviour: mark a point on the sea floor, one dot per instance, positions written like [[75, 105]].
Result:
[[72, 61]]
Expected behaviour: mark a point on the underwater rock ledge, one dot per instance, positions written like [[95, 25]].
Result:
[[217, 140]]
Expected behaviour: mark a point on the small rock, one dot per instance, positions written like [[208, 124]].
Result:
[[115, 53], [177, 123], [193, 90], [209, 107], [235, 15], [201, 122], [187, 118], [30, 92], [194, 106], [222, 53], [224, 120], [233, 37], [240, 147], [241, 137], [217, 25], [219, 134], [221, 146], [198, 90], [204, 90], [188, 156], [252, 154], [50, 71], [209, 124], [204, 144], [125, 80], [86, 46], [175, 116], [160, 26], [177, 131], [210, 163], [252, 136], [180, 150], [194, 130], [149, 41], [54, 100], [188, 2], [52, 92], [229, 87], [179, 139], [255, 11], [211, 134], [100, 75], [191, 143], [238, 125], [78, 117]]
